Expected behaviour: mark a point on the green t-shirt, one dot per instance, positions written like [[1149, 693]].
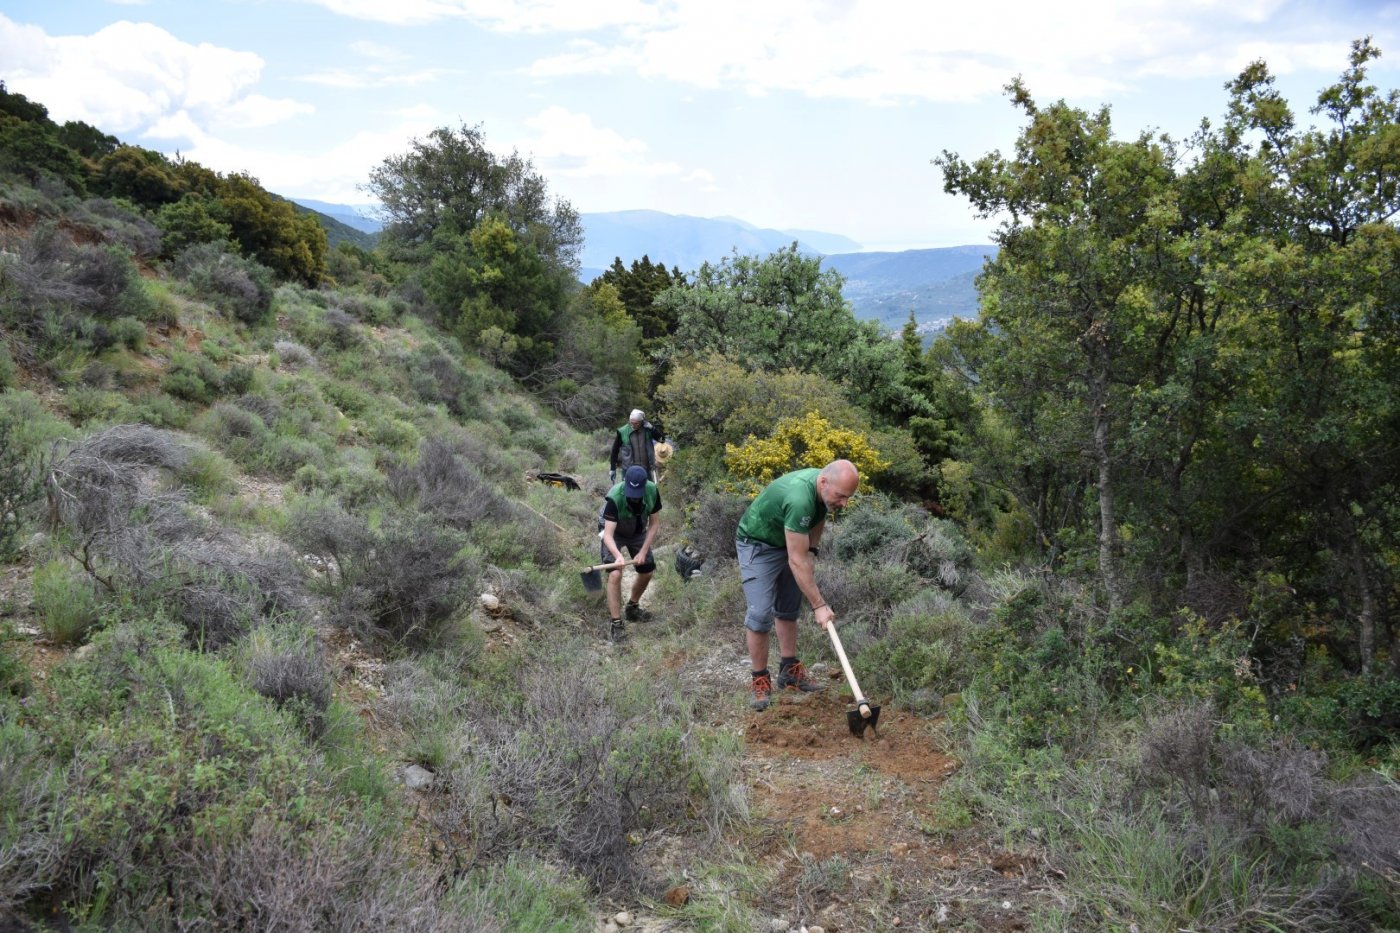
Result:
[[790, 503]]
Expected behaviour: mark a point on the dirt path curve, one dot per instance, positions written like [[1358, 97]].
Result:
[[853, 831]]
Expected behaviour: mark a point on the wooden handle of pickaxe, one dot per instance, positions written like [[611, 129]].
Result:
[[612, 566], [846, 666]]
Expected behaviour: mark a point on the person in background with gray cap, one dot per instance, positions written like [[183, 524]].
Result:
[[629, 521], [635, 443]]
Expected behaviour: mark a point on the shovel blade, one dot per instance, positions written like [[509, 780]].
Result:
[[859, 722], [592, 580]]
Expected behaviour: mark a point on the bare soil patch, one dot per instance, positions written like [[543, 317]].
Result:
[[849, 826]]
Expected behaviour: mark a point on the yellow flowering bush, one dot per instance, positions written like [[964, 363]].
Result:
[[808, 441]]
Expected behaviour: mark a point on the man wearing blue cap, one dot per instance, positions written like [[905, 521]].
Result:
[[629, 521]]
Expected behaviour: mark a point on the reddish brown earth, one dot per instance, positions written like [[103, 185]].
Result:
[[851, 827]]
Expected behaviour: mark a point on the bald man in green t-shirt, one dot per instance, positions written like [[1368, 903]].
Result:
[[777, 545]]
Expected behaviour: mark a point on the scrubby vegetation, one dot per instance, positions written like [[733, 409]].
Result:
[[1129, 541]]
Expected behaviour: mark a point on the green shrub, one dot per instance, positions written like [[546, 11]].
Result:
[[350, 399], [191, 800], [527, 893], [236, 431], [33, 428], [19, 485], [577, 750], [439, 378], [237, 380], [193, 378], [283, 455], [159, 411], [129, 332], [240, 287], [402, 580], [188, 222], [14, 673], [86, 405], [284, 662], [66, 601], [207, 475], [392, 433], [918, 657], [9, 372]]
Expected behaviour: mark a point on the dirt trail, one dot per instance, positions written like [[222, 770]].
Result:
[[850, 825]]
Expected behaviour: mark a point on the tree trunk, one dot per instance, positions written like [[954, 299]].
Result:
[[1367, 620], [1108, 522]]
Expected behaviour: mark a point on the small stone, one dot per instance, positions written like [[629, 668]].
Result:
[[489, 602], [416, 778], [678, 895], [836, 811], [942, 914], [84, 650], [609, 927], [896, 922], [778, 925], [816, 930], [623, 918], [1005, 905]]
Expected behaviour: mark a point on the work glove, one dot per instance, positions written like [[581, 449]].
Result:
[[612, 475]]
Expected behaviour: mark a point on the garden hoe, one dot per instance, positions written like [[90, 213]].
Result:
[[593, 580], [864, 715]]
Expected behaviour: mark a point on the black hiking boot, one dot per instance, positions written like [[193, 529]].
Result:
[[635, 613], [617, 632], [794, 677]]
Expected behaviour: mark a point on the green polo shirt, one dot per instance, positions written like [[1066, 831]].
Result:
[[790, 503]]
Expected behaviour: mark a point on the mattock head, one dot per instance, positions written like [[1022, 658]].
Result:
[[867, 717]]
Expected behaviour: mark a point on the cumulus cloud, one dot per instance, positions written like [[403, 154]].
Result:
[[129, 78], [335, 174], [570, 144], [883, 52], [355, 78], [503, 15]]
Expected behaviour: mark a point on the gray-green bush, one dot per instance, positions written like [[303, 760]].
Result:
[[241, 287]]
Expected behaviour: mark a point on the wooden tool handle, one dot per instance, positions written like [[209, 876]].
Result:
[[846, 666], [612, 566]]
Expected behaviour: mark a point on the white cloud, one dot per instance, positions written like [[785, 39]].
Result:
[[502, 15], [130, 77], [256, 110], [373, 76], [568, 144], [703, 180], [377, 51], [336, 174], [882, 51]]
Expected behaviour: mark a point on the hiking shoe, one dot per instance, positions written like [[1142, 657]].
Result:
[[617, 632], [635, 613], [762, 687], [795, 678]]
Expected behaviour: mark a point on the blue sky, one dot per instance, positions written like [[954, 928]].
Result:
[[790, 114]]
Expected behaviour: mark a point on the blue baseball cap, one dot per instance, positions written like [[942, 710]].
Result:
[[636, 478]]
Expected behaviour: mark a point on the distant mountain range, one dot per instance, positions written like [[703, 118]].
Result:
[[935, 284], [359, 216]]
